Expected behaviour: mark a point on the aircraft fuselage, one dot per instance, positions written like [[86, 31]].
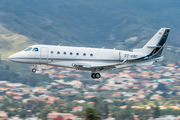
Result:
[[94, 59]]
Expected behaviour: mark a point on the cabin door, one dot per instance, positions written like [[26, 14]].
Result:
[[119, 55], [44, 55]]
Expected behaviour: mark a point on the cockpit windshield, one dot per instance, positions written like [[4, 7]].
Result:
[[28, 49], [35, 49]]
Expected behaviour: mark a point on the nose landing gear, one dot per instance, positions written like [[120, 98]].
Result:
[[95, 75], [34, 69]]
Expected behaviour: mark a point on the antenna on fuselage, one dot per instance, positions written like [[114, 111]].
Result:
[[59, 45], [103, 47]]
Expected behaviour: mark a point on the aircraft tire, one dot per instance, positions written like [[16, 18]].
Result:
[[34, 70], [97, 75], [93, 75]]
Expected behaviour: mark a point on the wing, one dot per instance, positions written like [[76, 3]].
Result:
[[91, 66], [97, 66]]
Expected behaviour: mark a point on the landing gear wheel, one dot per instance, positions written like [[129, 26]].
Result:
[[34, 70], [98, 75], [93, 75]]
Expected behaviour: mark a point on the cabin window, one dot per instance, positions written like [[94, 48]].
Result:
[[91, 54], [64, 53], [77, 54], [84, 54], [52, 52], [71, 53], [58, 52], [35, 49], [28, 49]]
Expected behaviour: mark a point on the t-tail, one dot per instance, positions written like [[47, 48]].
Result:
[[154, 47]]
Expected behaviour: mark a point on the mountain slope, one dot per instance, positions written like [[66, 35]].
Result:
[[91, 23], [11, 42]]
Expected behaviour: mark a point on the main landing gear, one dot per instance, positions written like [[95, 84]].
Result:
[[95, 75], [34, 69]]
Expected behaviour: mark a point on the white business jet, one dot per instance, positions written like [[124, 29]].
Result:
[[93, 59]]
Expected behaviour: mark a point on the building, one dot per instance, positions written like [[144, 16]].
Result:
[[64, 116], [3, 114], [169, 117], [32, 118], [110, 117], [15, 118], [78, 108]]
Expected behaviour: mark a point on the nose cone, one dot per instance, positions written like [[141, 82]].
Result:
[[16, 57], [12, 57]]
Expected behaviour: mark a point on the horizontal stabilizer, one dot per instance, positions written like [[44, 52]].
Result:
[[154, 46], [137, 50]]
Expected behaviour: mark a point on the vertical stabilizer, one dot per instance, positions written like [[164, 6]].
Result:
[[155, 45]]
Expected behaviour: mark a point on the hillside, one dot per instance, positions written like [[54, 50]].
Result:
[[15, 72], [11, 42], [90, 23], [86, 23]]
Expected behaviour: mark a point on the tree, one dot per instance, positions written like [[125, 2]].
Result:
[[161, 86], [92, 114], [106, 110], [124, 117], [156, 111], [25, 96], [98, 104], [174, 92], [127, 113], [22, 113], [165, 95], [128, 109], [38, 94]]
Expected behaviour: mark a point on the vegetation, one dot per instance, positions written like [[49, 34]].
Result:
[[12, 42], [92, 114], [90, 23], [156, 111], [21, 75], [161, 87], [85, 23]]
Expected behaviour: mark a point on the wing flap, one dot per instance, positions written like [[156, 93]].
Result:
[[144, 63], [94, 65]]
